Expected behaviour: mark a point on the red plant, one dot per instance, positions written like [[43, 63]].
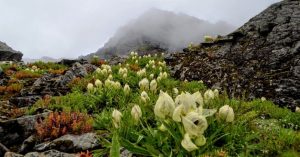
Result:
[[2, 89], [134, 67], [14, 88], [60, 123], [59, 72], [85, 154], [26, 74]]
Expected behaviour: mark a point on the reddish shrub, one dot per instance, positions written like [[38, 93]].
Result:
[[26, 74], [61, 123]]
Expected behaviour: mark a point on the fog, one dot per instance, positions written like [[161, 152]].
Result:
[[68, 28]]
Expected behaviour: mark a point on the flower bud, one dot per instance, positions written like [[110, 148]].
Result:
[[175, 91], [208, 95], [116, 116], [151, 76], [144, 84], [162, 128], [188, 144], [200, 141], [136, 113], [126, 89], [90, 87], [226, 113], [153, 85], [98, 83], [144, 97]]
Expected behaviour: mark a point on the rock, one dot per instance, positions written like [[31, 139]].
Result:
[[50, 84], [49, 153], [116, 60], [24, 101], [12, 154], [3, 149], [15, 131], [8, 54], [71, 143], [260, 59], [70, 62], [28, 144]]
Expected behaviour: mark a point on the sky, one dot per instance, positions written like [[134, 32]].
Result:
[[70, 28]]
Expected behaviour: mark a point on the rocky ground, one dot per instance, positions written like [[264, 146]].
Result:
[[260, 59]]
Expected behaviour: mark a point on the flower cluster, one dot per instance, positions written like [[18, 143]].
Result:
[[187, 109]]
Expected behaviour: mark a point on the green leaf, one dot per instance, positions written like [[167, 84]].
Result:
[[134, 148], [115, 148]]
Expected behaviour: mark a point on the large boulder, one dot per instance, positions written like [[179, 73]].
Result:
[[8, 54], [260, 59]]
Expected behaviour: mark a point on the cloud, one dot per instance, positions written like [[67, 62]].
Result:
[[68, 28]]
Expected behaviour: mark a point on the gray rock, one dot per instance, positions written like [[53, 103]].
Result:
[[261, 59], [8, 54], [71, 143], [49, 153], [12, 154], [15, 131]]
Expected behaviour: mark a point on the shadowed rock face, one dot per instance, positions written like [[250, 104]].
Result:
[[261, 58], [8, 54]]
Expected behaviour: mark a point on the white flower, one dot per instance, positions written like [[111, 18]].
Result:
[[164, 106], [199, 99], [34, 68], [162, 54], [178, 112], [175, 91], [297, 109], [144, 97], [187, 100], [188, 144], [122, 71], [153, 67], [200, 141], [153, 85], [126, 88], [147, 65], [124, 75], [136, 113], [151, 76], [104, 72], [117, 85], [98, 70], [90, 87], [141, 72], [108, 83], [136, 62], [158, 78], [98, 83], [216, 93], [110, 77], [226, 113], [263, 99], [132, 53], [144, 84], [116, 116], [160, 68], [194, 124], [208, 95]]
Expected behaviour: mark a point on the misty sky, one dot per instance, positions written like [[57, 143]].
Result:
[[70, 28]]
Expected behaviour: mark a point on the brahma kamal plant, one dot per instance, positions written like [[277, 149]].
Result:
[[178, 129]]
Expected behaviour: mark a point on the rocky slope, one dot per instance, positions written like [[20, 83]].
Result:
[[8, 54], [157, 29], [260, 59]]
